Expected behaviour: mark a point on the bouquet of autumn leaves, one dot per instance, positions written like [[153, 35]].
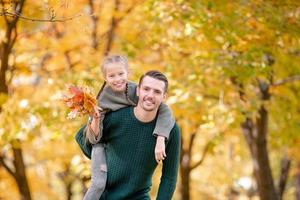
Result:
[[80, 101]]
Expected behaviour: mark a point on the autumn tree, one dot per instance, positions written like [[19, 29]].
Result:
[[252, 43]]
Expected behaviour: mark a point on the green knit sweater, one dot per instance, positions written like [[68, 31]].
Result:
[[130, 157]]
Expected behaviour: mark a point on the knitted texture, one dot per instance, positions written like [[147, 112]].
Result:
[[130, 157]]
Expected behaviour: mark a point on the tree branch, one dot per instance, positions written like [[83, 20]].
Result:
[[8, 169], [247, 129], [192, 139], [204, 154], [240, 88], [113, 26], [4, 10], [14, 38], [18, 9], [117, 21], [286, 80], [52, 19]]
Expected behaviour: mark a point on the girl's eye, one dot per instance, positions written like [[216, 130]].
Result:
[[121, 73]]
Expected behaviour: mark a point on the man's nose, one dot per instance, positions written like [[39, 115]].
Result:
[[150, 93]]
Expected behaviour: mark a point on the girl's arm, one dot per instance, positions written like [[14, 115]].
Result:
[[108, 100], [111, 100], [165, 121]]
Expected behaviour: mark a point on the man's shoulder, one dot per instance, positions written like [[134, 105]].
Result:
[[175, 127], [175, 132]]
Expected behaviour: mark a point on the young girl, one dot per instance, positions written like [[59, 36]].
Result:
[[117, 92]]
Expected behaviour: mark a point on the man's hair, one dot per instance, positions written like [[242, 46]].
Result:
[[156, 75]]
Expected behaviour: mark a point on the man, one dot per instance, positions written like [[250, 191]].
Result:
[[130, 143]]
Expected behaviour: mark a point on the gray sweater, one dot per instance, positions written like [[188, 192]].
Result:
[[110, 100]]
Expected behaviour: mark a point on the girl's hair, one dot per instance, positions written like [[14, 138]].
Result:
[[113, 59]]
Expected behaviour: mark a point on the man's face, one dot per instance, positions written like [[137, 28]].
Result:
[[151, 93]]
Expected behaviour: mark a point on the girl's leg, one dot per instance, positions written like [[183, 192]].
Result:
[[99, 173]]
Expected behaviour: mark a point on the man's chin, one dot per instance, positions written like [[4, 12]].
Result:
[[148, 109]]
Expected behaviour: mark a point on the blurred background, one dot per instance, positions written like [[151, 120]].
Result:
[[234, 75]]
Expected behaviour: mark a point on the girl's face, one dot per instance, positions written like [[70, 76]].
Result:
[[116, 76]]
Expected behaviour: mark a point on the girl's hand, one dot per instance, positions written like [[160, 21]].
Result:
[[95, 122], [159, 151], [96, 114]]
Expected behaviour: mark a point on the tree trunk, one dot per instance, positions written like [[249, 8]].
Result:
[[185, 170], [68, 179], [263, 169], [83, 182], [185, 182], [94, 19], [111, 32], [5, 51], [20, 174], [186, 166], [284, 172], [69, 191], [257, 141], [297, 182]]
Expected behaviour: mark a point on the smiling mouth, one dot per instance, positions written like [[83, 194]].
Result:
[[148, 102], [119, 85]]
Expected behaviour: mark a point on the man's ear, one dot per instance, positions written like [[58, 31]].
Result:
[[165, 96]]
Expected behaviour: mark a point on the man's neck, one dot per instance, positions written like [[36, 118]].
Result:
[[143, 115]]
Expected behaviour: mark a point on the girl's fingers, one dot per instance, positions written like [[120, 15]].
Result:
[[159, 157], [156, 158], [164, 154]]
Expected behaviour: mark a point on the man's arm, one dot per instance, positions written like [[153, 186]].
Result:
[[86, 148], [170, 166]]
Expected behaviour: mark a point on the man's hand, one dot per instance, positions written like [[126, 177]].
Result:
[[159, 151]]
